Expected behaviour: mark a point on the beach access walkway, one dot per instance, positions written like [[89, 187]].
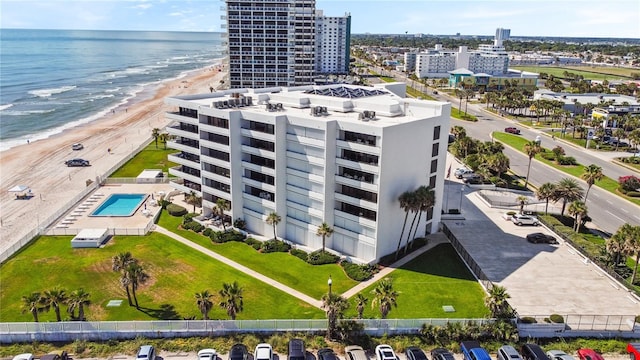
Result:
[[434, 239]]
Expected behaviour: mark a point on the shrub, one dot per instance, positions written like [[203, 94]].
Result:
[[193, 226], [188, 217], [558, 153], [207, 232], [511, 213], [216, 237], [320, 257], [548, 156], [176, 210], [637, 319], [232, 235], [567, 160], [528, 320], [556, 319], [633, 193], [256, 244], [358, 272], [629, 183], [301, 254], [274, 245], [239, 224]]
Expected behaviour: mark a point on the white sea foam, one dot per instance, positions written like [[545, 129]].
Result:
[[3, 107], [48, 92], [27, 112]]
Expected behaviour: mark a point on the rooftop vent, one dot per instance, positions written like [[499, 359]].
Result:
[[368, 115], [319, 110]]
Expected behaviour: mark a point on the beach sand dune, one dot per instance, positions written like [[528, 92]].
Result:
[[40, 164]]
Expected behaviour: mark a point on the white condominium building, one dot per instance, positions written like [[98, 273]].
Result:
[[336, 154], [333, 41]]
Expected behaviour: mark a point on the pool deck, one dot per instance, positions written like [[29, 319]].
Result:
[[78, 217]]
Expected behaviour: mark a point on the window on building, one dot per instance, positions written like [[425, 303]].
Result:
[[432, 181], [434, 165], [436, 133], [435, 149]]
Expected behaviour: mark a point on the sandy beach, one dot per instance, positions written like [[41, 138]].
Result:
[[40, 164]]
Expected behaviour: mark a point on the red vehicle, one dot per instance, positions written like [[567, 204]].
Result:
[[634, 350], [512, 130], [589, 354]]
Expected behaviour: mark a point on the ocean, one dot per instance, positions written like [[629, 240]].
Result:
[[51, 80]]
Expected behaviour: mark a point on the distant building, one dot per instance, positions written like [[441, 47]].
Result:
[[501, 35], [283, 43], [488, 82], [574, 103], [337, 154], [610, 115]]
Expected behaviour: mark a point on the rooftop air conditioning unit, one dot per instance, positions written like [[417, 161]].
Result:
[[249, 100]]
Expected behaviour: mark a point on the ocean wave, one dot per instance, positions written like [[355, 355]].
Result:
[[3, 107], [49, 92], [27, 112], [101, 96], [113, 90]]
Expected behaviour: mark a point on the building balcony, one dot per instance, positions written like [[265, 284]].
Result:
[[179, 185], [306, 141], [173, 144], [181, 118], [260, 152], [181, 159], [358, 146], [318, 179], [216, 177], [259, 168], [214, 129], [357, 202], [173, 130], [214, 145], [258, 135], [307, 158], [214, 192], [370, 167], [361, 220], [180, 172], [356, 182]]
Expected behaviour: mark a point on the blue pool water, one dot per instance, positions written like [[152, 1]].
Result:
[[119, 205]]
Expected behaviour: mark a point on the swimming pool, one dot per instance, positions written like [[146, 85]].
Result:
[[120, 205]]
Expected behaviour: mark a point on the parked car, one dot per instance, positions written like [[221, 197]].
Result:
[[207, 354], [532, 352], [327, 354], [77, 162], [589, 354], [296, 349], [634, 351], [459, 172], [415, 353], [385, 352], [239, 352], [508, 352], [77, 146], [50, 357], [25, 356], [263, 352], [473, 351], [523, 219], [512, 130], [441, 354], [540, 238], [146, 352], [355, 352], [559, 355], [472, 178], [62, 353]]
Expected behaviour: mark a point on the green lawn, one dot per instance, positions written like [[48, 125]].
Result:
[[148, 158], [177, 273], [461, 115], [559, 72], [435, 278], [282, 267], [518, 142]]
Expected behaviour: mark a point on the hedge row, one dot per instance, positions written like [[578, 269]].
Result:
[[358, 272], [567, 232]]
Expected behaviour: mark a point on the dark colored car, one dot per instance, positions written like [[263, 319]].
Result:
[[62, 353], [512, 130], [533, 352], [472, 178], [50, 357], [239, 352], [327, 354], [415, 353], [541, 238], [77, 162], [441, 354], [296, 350]]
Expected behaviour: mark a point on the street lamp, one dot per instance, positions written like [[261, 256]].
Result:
[[329, 282]]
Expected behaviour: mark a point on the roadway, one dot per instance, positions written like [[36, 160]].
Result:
[[607, 210]]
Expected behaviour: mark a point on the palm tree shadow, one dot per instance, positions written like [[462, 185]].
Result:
[[165, 312]]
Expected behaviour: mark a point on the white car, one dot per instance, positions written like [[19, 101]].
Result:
[[462, 171], [77, 146], [559, 355], [385, 352], [520, 219], [25, 356], [263, 352], [207, 354]]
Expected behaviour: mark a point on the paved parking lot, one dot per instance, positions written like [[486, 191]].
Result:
[[541, 279]]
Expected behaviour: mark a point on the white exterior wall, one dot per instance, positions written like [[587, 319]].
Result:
[[435, 65], [332, 34], [313, 169]]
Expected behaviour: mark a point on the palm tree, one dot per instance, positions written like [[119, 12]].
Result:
[[78, 299], [334, 305], [32, 303], [164, 137], [137, 276], [222, 205], [532, 148], [231, 295], [204, 303], [273, 219], [156, 134], [567, 190], [546, 192], [325, 231], [405, 204], [120, 263], [458, 132], [361, 302], [384, 297], [53, 299], [578, 210], [499, 163], [592, 173], [615, 246], [426, 199], [631, 236], [497, 303], [193, 199], [522, 201]]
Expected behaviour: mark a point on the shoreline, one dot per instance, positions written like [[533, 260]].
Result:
[[40, 164]]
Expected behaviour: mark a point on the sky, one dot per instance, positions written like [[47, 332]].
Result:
[[571, 18]]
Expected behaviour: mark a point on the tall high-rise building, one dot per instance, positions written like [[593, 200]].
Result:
[[273, 42], [501, 35], [333, 40]]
